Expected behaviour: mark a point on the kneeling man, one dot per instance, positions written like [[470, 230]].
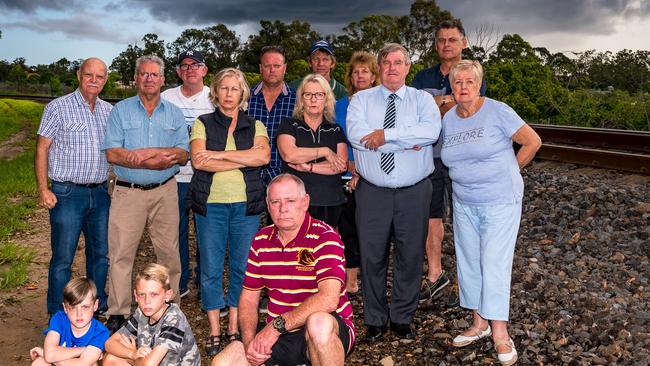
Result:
[[300, 261]]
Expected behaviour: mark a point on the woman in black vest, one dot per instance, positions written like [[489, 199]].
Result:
[[227, 149], [314, 148]]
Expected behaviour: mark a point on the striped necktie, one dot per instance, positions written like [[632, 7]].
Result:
[[388, 159]]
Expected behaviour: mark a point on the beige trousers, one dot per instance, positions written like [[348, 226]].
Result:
[[131, 211]]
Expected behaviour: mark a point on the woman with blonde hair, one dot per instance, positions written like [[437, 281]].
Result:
[[314, 148], [227, 148]]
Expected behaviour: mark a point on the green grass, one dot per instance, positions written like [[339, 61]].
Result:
[[18, 189]]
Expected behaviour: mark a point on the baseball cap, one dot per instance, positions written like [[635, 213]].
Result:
[[193, 54], [321, 45]]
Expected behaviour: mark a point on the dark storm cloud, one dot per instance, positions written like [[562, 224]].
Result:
[[546, 16], [77, 27], [327, 16], [31, 5]]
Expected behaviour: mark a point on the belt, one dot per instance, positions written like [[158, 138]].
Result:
[[391, 188], [144, 187], [83, 185]]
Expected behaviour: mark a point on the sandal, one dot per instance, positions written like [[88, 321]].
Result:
[[232, 337], [463, 340], [213, 345], [507, 358]]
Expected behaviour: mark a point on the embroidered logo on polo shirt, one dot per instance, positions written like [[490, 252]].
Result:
[[305, 260]]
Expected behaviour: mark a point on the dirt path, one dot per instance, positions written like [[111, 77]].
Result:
[[23, 314], [13, 146]]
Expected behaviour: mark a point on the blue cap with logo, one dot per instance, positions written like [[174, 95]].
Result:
[[321, 45], [193, 54]]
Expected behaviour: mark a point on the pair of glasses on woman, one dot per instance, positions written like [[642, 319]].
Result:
[[317, 95]]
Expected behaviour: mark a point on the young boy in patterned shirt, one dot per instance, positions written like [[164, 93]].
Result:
[[73, 335], [158, 332]]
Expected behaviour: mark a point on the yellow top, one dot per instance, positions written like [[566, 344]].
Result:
[[228, 186]]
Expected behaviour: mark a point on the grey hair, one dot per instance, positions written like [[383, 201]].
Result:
[[150, 59], [464, 65], [390, 48], [330, 101], [290, 177], [86, 61]]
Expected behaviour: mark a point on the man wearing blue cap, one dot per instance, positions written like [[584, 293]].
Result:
[[322, 61], [193, 98]]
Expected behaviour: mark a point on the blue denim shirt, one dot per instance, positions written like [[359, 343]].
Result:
[[130, 127]]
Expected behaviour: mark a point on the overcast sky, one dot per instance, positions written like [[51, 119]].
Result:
[[43, 31]]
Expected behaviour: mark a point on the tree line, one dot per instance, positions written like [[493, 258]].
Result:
[[596, 89]]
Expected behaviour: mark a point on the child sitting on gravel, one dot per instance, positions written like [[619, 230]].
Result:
[[158, 332], [73, 334]]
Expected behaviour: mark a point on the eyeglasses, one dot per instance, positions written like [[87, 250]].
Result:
[[194, 66], [317, 95], [146, 75]]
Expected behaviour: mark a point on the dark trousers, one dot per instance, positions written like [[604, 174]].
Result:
[[329, 214], [348, 231], [406, 211]]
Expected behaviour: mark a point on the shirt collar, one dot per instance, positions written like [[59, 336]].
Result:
[[161, 103], [258, 89], [400, 92], [304, 228]]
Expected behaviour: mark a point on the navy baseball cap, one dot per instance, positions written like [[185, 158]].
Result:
[[193, 54], [321, 45]]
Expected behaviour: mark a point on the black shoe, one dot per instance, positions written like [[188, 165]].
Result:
[[402, 331], [430, 289], [375, 333], [224, 312], [115, 322]]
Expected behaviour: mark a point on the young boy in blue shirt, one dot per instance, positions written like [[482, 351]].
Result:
[[74, 336]]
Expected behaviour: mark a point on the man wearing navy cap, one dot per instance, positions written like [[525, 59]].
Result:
[[322, 61], [193, 98]]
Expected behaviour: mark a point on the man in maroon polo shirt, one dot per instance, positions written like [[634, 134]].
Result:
[[300, 261]]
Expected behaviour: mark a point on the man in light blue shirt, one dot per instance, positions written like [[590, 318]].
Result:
[[391, 128], [146, 141]]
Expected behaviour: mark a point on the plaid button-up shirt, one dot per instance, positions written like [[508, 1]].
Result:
[[283, 107], [77, 136]]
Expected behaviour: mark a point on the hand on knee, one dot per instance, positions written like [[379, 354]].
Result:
[[321, 327]]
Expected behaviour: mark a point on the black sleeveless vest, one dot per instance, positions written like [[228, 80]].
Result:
[[216, 130]]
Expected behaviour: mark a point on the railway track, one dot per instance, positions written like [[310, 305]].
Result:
[[612, 149]]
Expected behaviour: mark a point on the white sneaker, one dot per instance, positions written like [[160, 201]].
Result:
[[508, 358], [462, 341]]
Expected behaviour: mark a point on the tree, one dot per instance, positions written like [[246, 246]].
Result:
[[369, 34], [219, 45], [295, 37], [124, 63], [424, 17]]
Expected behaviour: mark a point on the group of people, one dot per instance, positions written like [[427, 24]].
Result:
[[226, 153]]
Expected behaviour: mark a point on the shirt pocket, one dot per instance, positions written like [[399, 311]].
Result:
[[133, 134], [168, 134], [76, 133]]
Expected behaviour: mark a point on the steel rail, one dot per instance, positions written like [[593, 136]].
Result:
[[638, 141], [630, 162]]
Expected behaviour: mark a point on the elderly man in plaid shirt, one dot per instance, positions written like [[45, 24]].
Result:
[[68, 151]]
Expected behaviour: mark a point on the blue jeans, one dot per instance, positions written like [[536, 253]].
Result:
[[78, 209], [183, 239], [485, 237], [225, 224]]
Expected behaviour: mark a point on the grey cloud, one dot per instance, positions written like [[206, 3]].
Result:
[[31, 5], [77, 27], [543, 16], [326, 16]]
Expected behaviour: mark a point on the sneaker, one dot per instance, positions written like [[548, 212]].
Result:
[[264, 304], [115, 322], [184, 292], [430, 289]]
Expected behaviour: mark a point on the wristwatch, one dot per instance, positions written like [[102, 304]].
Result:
[[279, 324]]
